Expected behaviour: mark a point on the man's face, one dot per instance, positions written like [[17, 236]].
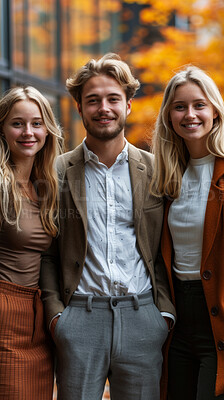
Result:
[[104, 107]]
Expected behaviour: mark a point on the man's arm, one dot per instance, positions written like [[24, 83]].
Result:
[[50, 282], [164, 302]]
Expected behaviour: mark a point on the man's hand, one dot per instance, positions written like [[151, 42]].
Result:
[[53, 325], [169, 322]]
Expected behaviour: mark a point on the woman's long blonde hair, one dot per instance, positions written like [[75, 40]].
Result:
[[171, 154], [43, 175]]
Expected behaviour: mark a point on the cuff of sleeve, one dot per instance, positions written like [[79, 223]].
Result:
[[55, 316], [171, 317]]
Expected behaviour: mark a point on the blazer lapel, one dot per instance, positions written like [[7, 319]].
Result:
[[138, 174], [76, 183], [213, 209]]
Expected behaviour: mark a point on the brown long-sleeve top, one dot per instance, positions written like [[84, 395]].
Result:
[[20, 251]]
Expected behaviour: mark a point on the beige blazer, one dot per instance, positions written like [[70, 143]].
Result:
[[63, 263]]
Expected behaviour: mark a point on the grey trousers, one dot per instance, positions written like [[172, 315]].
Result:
[[119, 338]]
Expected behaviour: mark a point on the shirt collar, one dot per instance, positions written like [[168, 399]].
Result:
[[90, 156]]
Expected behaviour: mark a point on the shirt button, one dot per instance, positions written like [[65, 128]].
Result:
[[214, 311], [111, 261], [207, 275], [67, 291], [115, 282], [114, 302]]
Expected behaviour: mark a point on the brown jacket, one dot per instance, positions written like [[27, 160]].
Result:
[[62, 265], [212, 264]]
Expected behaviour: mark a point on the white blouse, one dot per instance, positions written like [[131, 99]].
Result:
[[186, 217]]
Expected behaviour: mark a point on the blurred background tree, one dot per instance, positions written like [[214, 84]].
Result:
[[188, 32]]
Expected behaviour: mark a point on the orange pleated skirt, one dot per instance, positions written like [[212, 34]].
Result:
[[26, 359]]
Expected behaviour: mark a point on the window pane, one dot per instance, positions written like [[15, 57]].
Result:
[[65, 105], [1, 29], [2, 86], [79, 34], [87, 31], [18, 16], [52, 100], [66, 23], [42, 36], [35, 37], [4, 44]]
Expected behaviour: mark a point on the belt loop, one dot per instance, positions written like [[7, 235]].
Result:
[[136, 304], [89, 303]]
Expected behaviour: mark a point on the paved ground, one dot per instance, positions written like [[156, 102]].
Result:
[[106, 394]]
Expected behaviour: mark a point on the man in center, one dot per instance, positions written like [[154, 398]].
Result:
[[105, 292]]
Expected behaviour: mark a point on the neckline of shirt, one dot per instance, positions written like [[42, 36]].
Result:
[[29, 201], [90, 156], [209, 159]]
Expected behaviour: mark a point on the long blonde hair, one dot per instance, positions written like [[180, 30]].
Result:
[[43, 174], [171, 154]]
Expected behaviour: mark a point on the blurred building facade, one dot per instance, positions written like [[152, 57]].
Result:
[[43, 42]]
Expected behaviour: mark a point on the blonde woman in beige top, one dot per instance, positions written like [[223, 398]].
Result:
[[29, 142], [189, 171]]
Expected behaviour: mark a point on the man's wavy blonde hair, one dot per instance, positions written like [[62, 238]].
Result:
[[110, 64], [43, 175], [171, 154]]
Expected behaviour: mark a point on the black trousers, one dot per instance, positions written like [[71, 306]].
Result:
[[192, 354]]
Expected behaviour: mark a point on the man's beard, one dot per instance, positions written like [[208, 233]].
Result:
[[105, 134]]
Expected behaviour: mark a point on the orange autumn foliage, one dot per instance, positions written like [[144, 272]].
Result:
[[201, 44]]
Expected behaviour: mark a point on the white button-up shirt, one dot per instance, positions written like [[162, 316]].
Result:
[[113, 265]]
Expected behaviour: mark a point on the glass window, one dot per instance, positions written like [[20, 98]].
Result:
[[66, 23], [1, 29], [87, 31], [73, 129], [79, 34], [65, 121], [35, 37], [3, 33], [42, 34], [3, 86], [19, 33], [109, 19]]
